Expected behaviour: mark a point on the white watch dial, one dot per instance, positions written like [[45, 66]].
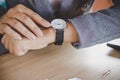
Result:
[[58, 24]]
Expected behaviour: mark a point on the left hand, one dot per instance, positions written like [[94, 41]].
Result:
[[21, 21]]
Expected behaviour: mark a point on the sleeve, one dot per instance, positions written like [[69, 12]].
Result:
[[2, 7], [98, 27], [1, 10]]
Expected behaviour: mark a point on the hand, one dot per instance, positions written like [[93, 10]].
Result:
[[20, 47], [22, 21]]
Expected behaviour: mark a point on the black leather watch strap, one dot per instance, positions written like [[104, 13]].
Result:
[[59, 37]]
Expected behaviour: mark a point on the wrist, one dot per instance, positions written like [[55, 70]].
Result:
[[70, 34]]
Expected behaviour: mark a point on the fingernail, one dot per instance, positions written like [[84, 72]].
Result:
[[47, 24], [19, 38], [39, 33], [30, 36]]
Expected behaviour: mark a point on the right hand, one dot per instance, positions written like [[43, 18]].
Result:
[[21, 21]]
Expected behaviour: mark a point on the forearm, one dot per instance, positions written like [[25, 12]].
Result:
[[99, 27], [70, 34]]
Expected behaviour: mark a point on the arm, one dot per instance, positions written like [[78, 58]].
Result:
[[98, 27], [20, 47], [87, 30]]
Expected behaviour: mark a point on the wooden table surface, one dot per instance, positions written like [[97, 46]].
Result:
[[62, 63]]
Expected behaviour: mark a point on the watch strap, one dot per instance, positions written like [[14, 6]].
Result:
[[59, 37]]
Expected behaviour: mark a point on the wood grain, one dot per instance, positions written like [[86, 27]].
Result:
[[62, 63]]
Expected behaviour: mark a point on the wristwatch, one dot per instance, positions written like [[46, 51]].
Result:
[[59, 25]]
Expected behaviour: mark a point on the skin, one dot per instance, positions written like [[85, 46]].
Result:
[[17, 44], [20, 21], [20, 47]]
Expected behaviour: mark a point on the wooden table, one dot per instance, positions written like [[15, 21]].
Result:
[[62, 63]]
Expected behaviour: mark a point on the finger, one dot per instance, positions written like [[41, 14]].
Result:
[[5, 41], [1, 26], [10, 46], [20, 28], [1, 29], [20, 51], [38, 19], [11, 32], [29, 23], [18, 48]]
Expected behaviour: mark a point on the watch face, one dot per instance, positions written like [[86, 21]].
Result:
[[58, 24]]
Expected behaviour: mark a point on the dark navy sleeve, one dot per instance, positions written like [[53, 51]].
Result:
[[2, 48], [98, 27], [2, 11]]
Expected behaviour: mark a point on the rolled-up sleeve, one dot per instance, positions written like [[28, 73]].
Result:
[[98, 27]]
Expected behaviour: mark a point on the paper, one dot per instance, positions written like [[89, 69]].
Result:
[[74, 79]]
